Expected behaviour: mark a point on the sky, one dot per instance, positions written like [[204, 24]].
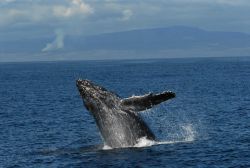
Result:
[[24, 19], [19, 18]]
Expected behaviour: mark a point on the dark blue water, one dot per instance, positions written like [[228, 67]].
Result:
[[43, 122]]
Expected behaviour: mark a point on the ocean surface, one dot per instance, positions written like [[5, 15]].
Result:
[[43, 122]]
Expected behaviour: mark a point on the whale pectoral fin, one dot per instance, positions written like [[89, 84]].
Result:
[[140, 103]]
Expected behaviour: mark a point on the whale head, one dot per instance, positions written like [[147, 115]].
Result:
[[94, 96]]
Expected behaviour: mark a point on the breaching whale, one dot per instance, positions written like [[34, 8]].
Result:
[[117, 119]]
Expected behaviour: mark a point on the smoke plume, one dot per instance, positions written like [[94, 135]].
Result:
[[58, 43]]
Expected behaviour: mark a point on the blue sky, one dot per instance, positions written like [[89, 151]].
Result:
[[36, 18]]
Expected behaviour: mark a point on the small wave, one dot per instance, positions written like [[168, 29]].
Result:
[[171, 142], [142, 142]]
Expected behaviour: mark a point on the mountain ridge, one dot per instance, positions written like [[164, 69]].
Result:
[[175, 41]]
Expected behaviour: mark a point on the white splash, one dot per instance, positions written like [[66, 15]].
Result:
[[106, 147], [188, 136], [144, 142], [189, 132]]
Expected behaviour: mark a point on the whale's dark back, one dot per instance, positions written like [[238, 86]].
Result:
[[117, 119]]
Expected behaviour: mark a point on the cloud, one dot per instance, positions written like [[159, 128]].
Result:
[[30, 12], [85, 17], [76, 7], [126, 14], [58, 43]]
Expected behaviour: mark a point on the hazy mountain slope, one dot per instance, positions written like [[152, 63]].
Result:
[[174, 41], [159, 39]]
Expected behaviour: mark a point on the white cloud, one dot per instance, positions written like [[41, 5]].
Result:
[[58, 43], [87, 17], [127, 13], [30, 12], [76, 7]]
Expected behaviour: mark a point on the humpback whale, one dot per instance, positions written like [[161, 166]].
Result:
[[118, 120]]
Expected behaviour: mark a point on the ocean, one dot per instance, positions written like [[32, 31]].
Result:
[[43, 122]]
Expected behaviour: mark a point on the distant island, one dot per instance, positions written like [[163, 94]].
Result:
[[175, 41]]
